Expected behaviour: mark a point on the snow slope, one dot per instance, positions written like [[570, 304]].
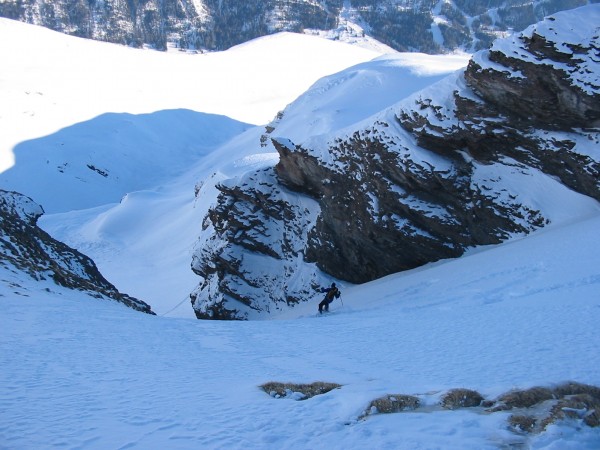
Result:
[[50, 81], [345, 98], [82, 373]]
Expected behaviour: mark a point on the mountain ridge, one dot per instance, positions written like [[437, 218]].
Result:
[[430, 26]]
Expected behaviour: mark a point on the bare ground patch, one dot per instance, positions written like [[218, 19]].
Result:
[[392, 403], [461, 398]]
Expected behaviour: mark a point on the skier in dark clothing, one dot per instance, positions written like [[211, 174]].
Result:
[[331, 293]]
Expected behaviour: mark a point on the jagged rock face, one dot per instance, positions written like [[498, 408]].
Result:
[[27, 248], [384, 211], [251, 257], [405, 25], [457, 165], [542, 94], [544, 83]]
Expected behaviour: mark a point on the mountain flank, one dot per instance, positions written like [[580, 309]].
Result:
[[504, 148], [429, 26]]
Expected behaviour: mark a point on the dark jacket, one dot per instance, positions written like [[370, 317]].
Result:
[[331, 292]]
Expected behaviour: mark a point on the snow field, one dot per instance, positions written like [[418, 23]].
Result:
[[79, 372], [51, 81]]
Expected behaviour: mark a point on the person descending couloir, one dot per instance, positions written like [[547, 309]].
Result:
[[331, 293]]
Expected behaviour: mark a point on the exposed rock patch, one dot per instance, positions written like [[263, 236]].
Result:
[[461, 398], [392, 403], [539, 407], [535, 408], [298, 391], [522, 399]]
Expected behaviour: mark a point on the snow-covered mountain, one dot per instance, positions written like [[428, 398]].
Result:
[[430, 26], [503, 148], [514, 325]]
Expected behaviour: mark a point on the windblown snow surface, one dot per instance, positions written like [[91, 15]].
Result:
[[82, 373]]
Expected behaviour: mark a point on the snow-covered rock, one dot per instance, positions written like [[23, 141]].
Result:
[[27, 249], [251, 251], [446, 169]]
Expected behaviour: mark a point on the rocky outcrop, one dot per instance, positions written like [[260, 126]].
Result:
[[469, 161], [529, 91], [27, 248], [251, 252], [386, 209], [535, 409]]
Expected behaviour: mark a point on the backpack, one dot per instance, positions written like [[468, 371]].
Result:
[[332, 292]]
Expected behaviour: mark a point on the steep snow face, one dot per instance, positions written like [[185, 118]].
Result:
[[343, 99], [441, 171]]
